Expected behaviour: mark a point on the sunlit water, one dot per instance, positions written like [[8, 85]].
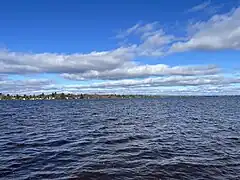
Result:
[[167, 138]]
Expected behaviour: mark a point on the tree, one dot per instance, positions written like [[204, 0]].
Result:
[[8, 96], [81, 96], [42, 96], [62, 96], [54, 94], [17, 96]]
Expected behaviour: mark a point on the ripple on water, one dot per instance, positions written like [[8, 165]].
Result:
[[167, 138]]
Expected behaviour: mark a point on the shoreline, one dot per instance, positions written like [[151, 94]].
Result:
[[62, 96]]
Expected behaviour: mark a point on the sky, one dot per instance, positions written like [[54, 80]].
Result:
[[189, 47]]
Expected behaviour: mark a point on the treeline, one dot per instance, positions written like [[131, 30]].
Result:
[[59, 96], [40, 96]]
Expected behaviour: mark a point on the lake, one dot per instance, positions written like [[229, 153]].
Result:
[[164, 138]]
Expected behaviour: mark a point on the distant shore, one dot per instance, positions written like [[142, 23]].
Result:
[[68, 96]]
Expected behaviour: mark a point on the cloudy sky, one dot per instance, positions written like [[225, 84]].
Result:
[[189, 47]]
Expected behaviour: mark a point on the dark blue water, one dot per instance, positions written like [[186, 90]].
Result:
[[167, 138]]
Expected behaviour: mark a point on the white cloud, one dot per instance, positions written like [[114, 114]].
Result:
[[174, 85], [121, 66], [125, 33], [218, 33], [21, 86], [139, 28], [152, 39], [167, 81], [221, 31], [139, 71], [200, 7], [24, 63], [158, 85]]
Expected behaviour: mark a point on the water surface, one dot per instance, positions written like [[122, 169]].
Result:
[[166, 138]]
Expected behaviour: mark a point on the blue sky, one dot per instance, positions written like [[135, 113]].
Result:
[[159, 47]]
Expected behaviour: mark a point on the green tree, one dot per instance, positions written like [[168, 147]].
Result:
[[62, 96], [54, 94], [42, 96], [8, 96], [81, 96], [17, 96]]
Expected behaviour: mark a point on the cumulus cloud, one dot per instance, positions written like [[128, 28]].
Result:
[[120, 67], [22, 86], [185, 85], [141, 71], [221, 31], [24, 63], [165, 81], [153, 40], [156, 85], [218, 33]]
